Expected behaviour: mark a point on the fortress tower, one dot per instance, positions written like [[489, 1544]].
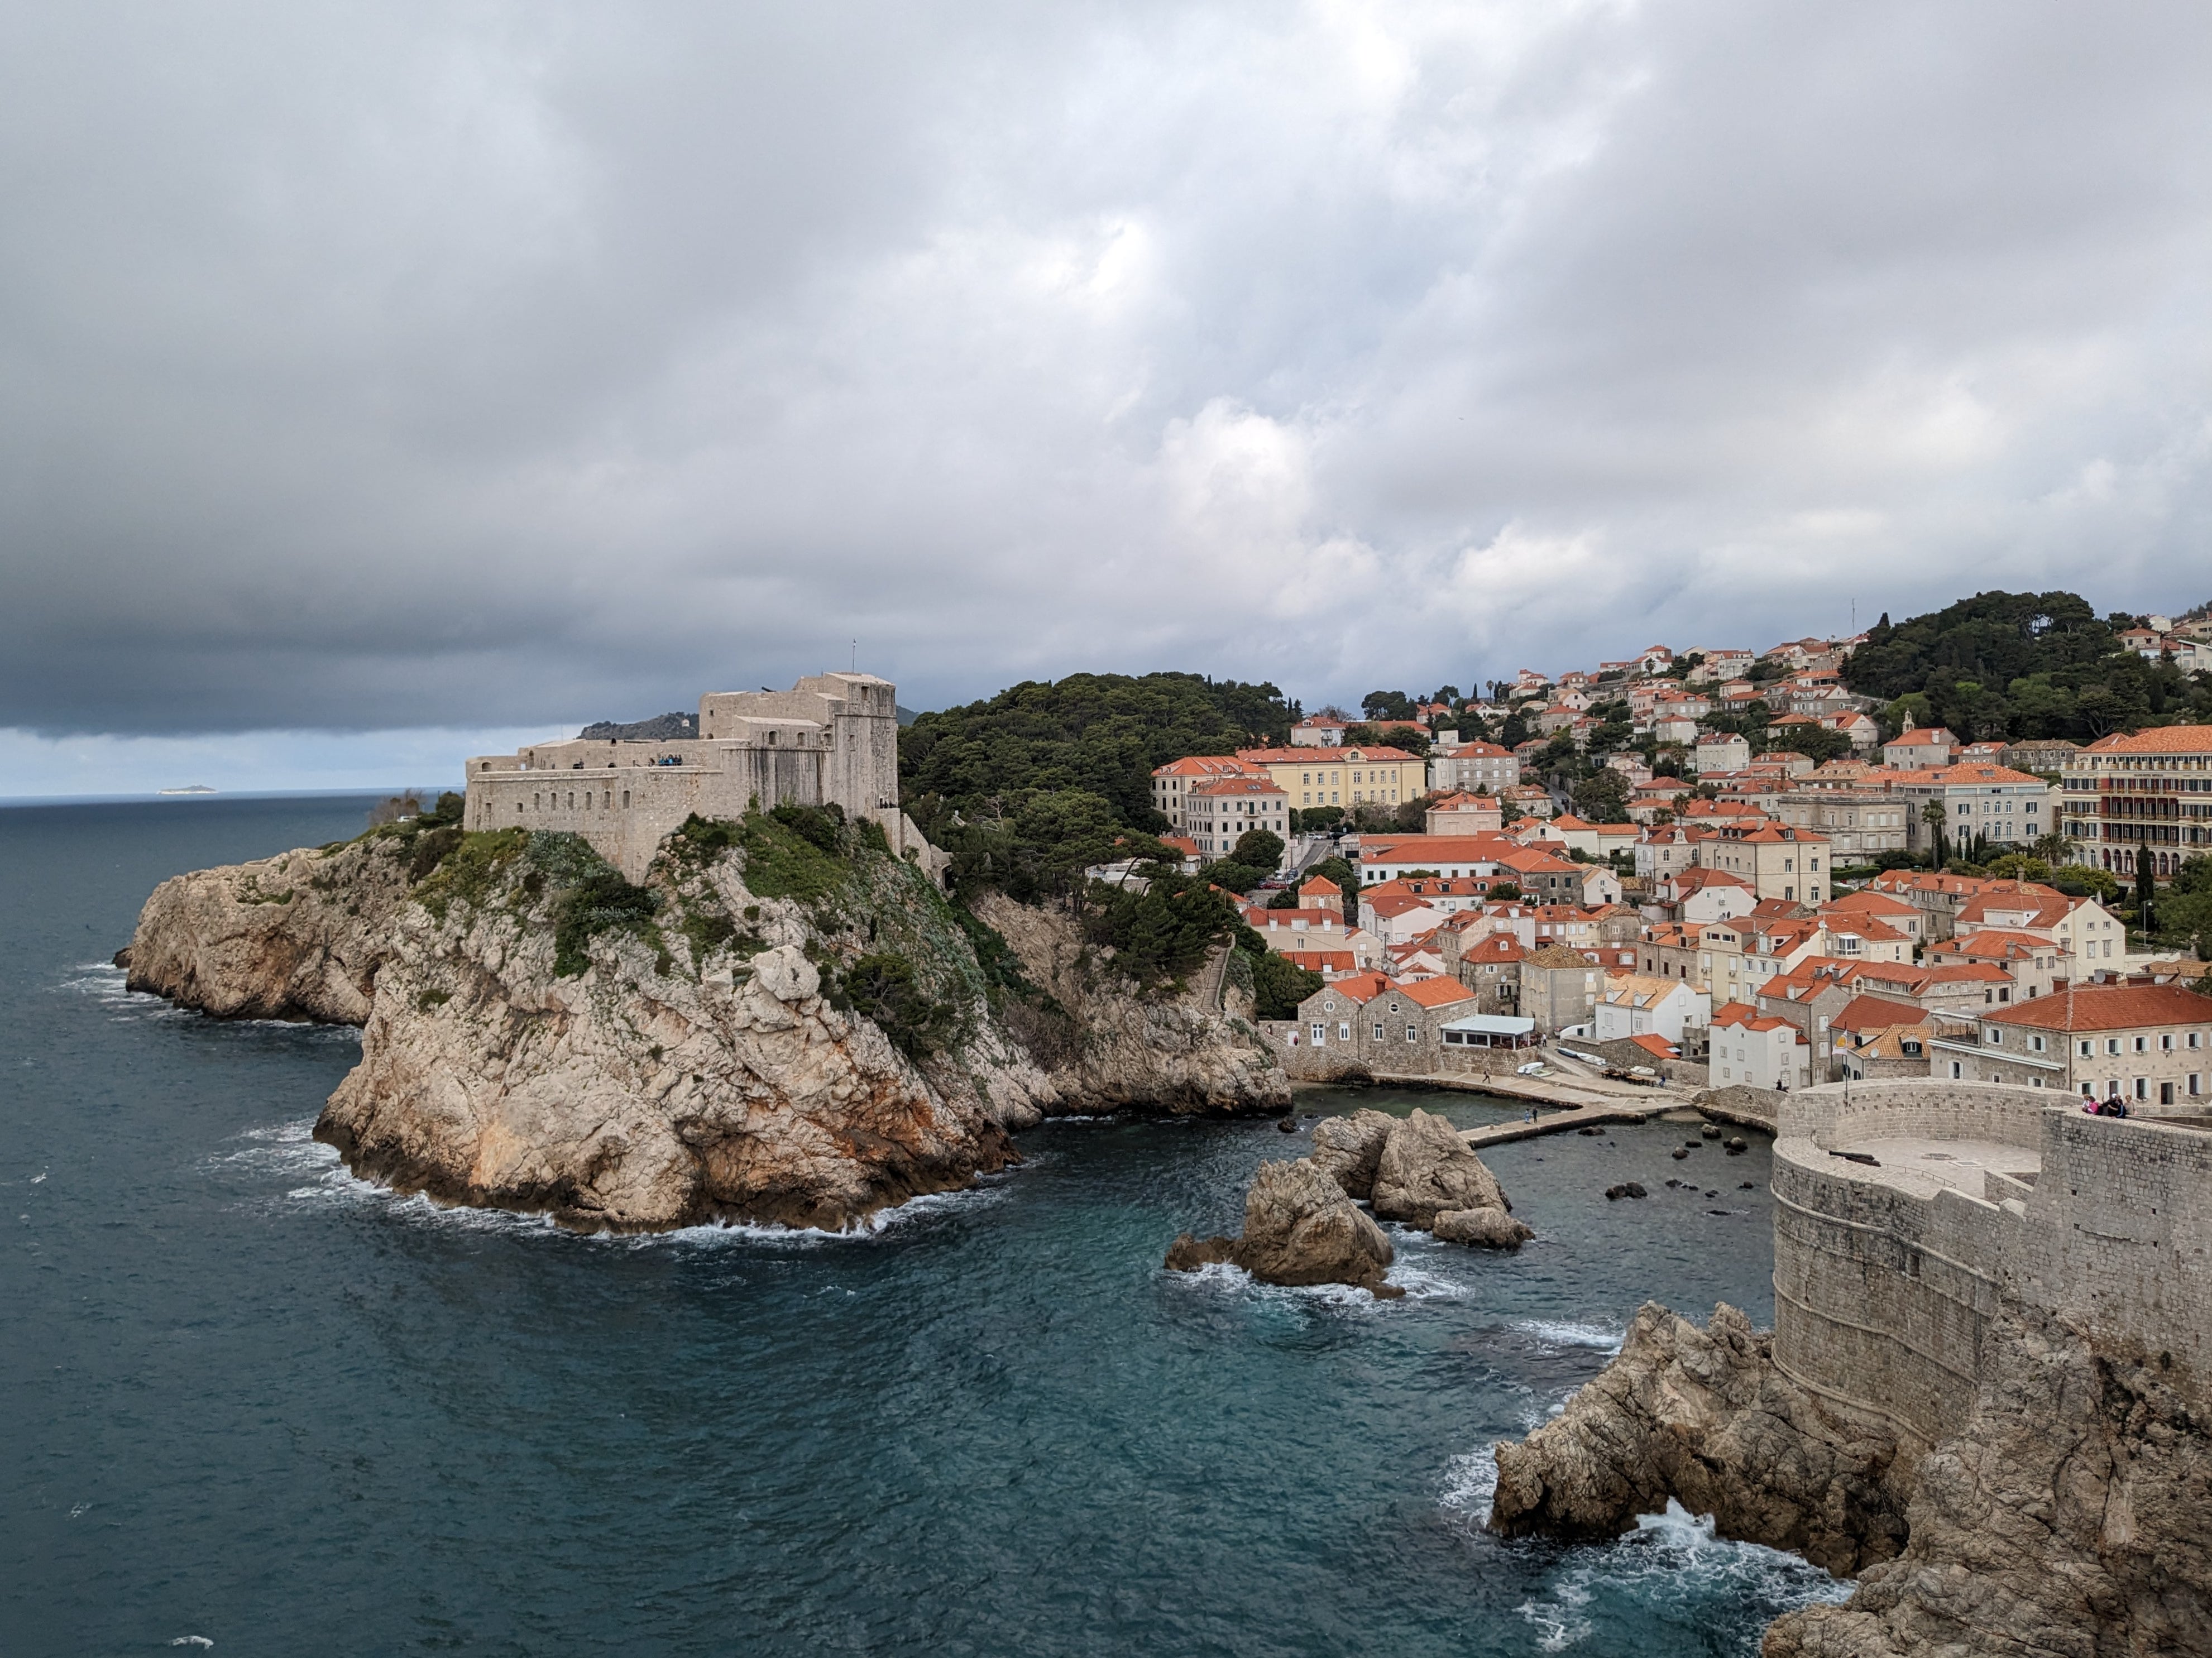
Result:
[[830, 739]]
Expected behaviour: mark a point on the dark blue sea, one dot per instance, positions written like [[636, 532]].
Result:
[[253, 1405]]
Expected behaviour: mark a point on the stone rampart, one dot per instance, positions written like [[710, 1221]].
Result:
[[1887, 1280], [830, 740]]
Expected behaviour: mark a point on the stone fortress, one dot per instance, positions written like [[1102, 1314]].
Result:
[[1907, 1214], [831, 739]]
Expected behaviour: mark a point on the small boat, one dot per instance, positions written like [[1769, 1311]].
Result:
[[189, 788]]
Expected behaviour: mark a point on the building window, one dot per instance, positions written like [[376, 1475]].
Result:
[[2142, 1088], [1344, 1033], [1321, 1035], [1954, 1071], [1378, 1033]]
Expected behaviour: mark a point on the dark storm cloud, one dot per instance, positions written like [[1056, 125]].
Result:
[[368, 366]]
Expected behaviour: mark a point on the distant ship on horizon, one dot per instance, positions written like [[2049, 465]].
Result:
[[189, 788]]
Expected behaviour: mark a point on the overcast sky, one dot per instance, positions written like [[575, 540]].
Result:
[[428, 373]]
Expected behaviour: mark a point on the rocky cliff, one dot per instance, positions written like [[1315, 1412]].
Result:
[[2069, 1516], [784, 1023], [1177, 1053]]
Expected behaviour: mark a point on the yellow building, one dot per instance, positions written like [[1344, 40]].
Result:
[[1342, 777]]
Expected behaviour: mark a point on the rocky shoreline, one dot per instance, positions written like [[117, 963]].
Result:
[[2066, 1517], [767, 1030]]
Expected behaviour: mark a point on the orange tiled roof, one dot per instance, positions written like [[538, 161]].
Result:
[[1436, 992], [2159, 739], [2109, 1007]]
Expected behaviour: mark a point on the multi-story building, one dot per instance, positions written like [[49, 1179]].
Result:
[[1921, 748], [2149, 1045], [1464, 813], [1942, 898], [1172, 784], [1559, 987], [1779, 861], [1311, 777], [1860, 825], [1473, 766], [1219, 810], [2004, 806], [1387, 1025], [2152, 789], [2088, 938], [1754, 1048], [1635, 1004]]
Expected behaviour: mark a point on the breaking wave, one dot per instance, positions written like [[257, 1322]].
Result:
[[1672, 1567]]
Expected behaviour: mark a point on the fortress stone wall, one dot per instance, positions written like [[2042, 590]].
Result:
[[829, 739], [1888, 1274]]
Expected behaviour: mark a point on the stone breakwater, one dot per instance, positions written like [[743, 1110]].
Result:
[[709, 1054], [1991, 1318]]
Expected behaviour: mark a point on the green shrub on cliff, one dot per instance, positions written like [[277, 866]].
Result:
[[1279, 984], [600, 902], [883, 988], [1162, 932], [467, 867]]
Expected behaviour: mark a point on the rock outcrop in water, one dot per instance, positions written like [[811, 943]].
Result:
[[1299, 1228], [1426, 1170], [773, 1029], [1703, 1416], [1483, 1228], [1419, 1171], [2070, 1515], [1349, 1149]]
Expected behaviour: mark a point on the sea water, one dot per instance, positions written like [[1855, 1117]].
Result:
[[253, 1402]]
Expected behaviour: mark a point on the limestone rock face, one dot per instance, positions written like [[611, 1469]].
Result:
[[1299, 1228], [628, 1099], [1484, 1229], [1177, 1054], [691, 1057], [1348, 1149], [2072, 1514], [1425, 1168], [1703, 1416], [299, 936]]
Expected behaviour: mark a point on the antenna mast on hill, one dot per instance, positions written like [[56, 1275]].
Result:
[[856, 656]]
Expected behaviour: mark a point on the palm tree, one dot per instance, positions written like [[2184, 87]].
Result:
[[1933, 814]]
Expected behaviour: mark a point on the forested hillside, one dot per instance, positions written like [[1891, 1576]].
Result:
[[1100, 733], [2014, 665]]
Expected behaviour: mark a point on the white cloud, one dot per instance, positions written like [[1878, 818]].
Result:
[[409, 367]]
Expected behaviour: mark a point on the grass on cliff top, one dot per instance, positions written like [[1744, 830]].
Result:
[[465, 868], [800, 853]]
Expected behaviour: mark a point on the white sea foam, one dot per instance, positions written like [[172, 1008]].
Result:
[[1471, 1482], [191, 1641], [1219, 1275], [1674, 1562], [106, 983], [1567, 1332], [1420, 1285], [289, 1149], [719, 1233]]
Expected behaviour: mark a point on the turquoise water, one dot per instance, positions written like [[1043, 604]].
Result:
[[252, 1400]]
